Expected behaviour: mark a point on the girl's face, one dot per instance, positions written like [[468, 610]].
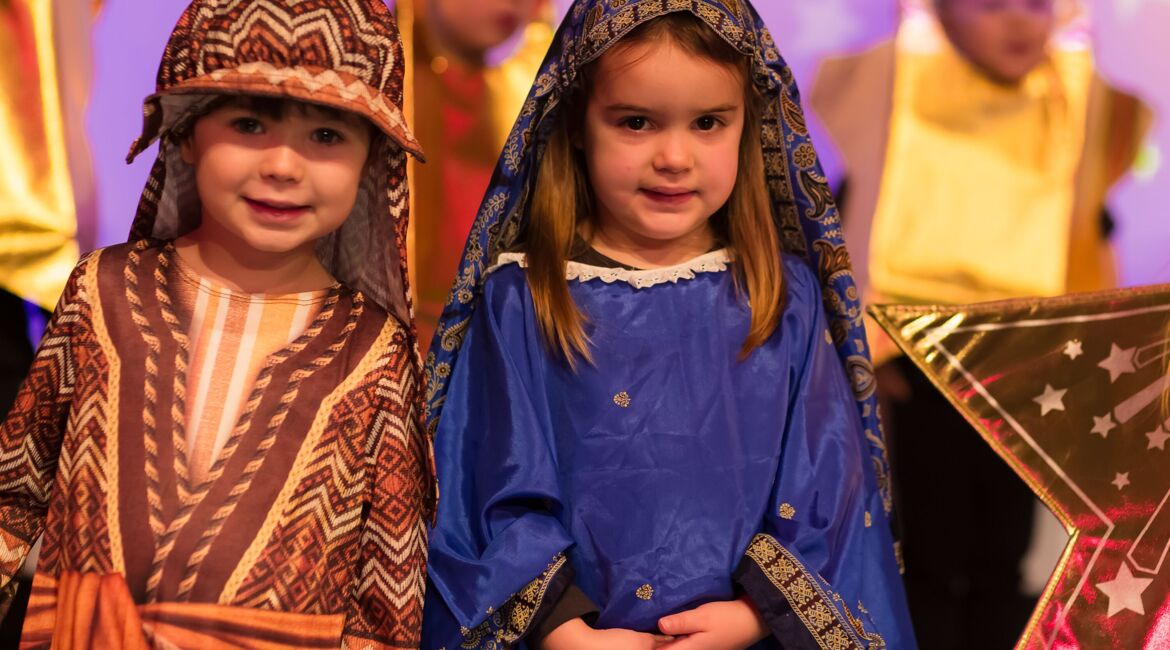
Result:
[[1005, 38], [661, 141]]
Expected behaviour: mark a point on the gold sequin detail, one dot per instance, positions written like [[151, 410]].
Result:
[[622, 399], [645, 592], [787, 511], [868, 519]]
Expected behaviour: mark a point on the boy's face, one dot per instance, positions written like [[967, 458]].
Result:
[[276, 184], [1007, 39], [472, 27], [661, 140]]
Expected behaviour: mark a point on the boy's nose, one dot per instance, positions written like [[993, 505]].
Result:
[[282, 163]]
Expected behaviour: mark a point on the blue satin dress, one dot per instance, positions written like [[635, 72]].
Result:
[[667, 474]]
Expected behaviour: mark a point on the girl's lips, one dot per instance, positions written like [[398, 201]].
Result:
[[278, 212], [671, 197]]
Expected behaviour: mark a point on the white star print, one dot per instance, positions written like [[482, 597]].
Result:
[[1050, 400], [1103, 425], [1125, 592], [1119, 362], [1158, 438], [1121, 480], [1074, 349]]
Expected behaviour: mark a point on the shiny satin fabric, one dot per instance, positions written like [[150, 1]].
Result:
[[806, 218], [655, 467], [1074, 393]]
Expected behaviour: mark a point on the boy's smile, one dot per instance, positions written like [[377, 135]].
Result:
[[276, 210]]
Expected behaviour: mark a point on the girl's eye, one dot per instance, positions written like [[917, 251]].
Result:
[[635, 123], [706, 123], [326, 136], [247, 125]]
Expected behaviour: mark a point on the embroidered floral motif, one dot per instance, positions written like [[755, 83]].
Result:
[[622, 399], [645, 592], [787, 511]]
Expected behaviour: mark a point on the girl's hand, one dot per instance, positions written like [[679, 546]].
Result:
[[577, 635], [730, 625]]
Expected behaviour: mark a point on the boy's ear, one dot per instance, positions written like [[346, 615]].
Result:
[[187, 147]]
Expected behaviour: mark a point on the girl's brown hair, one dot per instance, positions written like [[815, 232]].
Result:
[[562, 200]]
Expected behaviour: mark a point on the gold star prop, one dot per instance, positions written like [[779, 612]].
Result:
[[1073, 393]]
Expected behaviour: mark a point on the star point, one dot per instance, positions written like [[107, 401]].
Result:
[[1121, 480], [1103, 425], [1119, 362], [1050, 400], [1158, 438], [1125, 592], [1074, 349]]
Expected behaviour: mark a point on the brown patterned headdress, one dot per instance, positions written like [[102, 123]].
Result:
[[344, 54]]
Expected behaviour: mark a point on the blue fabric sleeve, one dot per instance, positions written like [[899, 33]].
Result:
[[822, 570], [497, 551]]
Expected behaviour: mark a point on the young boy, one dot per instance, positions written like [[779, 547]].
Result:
[[219, 436], [976, 171]]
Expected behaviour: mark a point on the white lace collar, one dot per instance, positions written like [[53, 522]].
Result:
[[713, 262]]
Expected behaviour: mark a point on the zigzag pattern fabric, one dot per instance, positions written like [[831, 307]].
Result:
[[315, 513]]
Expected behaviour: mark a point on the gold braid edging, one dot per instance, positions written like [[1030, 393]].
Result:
[[507, 625], [809, 600]]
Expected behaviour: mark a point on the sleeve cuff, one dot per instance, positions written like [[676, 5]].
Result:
[[799, 610]]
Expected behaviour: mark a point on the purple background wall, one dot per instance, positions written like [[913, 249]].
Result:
[[1131, 38]]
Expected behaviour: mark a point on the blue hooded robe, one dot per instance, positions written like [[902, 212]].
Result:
[[668, 473]]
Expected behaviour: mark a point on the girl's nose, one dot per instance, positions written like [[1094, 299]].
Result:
[[673, 156]]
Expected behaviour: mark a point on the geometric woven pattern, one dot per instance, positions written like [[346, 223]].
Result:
[[318, 508]]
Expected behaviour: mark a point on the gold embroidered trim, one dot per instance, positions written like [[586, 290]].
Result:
[[810, 600], [507, 625]]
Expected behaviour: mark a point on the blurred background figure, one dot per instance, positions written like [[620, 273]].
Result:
[[46, 189], [978, 171], [46, 184], [471, 65]]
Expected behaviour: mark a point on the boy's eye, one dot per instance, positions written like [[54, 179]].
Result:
[[247, 125], [326, 136], [635, 123], [707, 123]]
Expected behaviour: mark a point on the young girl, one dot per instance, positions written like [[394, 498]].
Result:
[[646, 434]]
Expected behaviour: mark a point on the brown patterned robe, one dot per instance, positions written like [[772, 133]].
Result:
[[310, 530]]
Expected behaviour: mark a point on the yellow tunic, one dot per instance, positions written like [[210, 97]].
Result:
[[964, 190]]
